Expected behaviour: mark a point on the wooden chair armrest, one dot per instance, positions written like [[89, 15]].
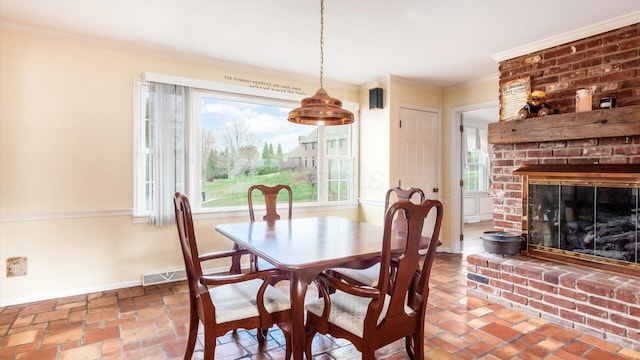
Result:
[[357, 290], [267, 275], [223, 254]]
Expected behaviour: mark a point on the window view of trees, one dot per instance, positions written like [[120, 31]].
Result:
[[246, 143]]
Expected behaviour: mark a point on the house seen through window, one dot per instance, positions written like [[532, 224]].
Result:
[[236, 141]]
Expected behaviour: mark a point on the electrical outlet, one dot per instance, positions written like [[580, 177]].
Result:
[[17, 266]]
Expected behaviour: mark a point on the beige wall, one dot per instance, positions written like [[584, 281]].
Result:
[[374, 154], [66, 161], [378, 133], [66, 165]]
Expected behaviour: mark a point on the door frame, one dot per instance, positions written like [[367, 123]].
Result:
[[455, 160]]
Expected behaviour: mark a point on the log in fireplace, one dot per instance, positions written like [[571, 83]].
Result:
[[583, 214]]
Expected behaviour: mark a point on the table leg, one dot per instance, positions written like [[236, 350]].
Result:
[[298, 286]]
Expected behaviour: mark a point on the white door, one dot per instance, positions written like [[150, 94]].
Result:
[[418, 150], [419, 155]]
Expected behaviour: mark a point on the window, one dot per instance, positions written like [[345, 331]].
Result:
[[238, 140], [476, 175]]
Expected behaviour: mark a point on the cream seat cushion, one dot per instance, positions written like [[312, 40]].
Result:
[[368, 276], [348, 311], [238, 301]]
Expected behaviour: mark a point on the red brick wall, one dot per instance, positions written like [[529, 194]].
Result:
[[607, 64]]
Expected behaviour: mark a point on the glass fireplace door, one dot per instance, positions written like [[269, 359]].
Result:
[[599, 222]]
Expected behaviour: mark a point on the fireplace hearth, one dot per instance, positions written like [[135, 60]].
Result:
[[583, 214]]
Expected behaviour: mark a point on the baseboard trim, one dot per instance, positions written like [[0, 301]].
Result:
[[66, 293]]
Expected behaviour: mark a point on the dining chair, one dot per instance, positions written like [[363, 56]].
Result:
[[270, 196], [367, 272], [227, 302], [395, 308]]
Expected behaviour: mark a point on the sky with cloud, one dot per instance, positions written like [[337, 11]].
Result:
[[267, 123]]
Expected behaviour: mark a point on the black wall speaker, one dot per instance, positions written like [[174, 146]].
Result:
[[375, 98]]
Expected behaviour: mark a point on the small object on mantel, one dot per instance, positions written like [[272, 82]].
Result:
[[536, 106], [583, 100], [608, 102]]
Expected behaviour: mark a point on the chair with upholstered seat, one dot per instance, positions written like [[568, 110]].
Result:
[[393, 309], [366, 273], [223, 303], [270, 198]]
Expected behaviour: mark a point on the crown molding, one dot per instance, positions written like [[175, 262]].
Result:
[[581, 33]]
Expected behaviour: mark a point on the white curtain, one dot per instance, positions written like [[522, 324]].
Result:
[[169, 130]]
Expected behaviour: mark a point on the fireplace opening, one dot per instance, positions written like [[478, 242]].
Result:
[[583, 214]]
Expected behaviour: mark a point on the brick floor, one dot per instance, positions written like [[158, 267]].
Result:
[[151, 323]]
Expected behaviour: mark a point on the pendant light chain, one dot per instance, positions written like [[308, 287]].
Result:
[[321, 109], [321, 44]]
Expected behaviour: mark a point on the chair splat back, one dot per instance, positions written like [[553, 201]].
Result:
[[400, 195], [270, 194], [411, 272], [371, 317]]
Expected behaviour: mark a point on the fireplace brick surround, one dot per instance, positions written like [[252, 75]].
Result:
[[595, 302]]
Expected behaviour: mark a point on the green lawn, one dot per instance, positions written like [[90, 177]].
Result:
[[232, 192]]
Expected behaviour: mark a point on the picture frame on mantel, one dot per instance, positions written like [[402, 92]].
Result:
[[513, 97]]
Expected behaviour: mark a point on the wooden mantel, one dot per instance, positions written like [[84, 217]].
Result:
[[624, 121]]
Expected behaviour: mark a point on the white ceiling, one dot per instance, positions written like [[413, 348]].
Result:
[[444, 42]]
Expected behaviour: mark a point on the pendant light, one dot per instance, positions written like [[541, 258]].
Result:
[[321, 109]]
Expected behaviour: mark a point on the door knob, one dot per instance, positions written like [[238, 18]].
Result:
[[435, 190]]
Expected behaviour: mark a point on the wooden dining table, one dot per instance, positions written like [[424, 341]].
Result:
[[304, 247]]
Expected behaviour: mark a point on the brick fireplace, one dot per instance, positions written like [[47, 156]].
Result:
[[598, 302]]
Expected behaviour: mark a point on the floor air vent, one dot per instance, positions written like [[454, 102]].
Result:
[[163, 277], [176, 275]]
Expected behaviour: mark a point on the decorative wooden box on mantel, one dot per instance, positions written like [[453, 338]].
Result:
[[623, 121]]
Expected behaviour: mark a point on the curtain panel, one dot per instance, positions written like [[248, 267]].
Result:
[[169, 110]]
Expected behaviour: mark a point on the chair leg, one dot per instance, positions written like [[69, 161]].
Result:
[[254, 262], [368, 354], [235, 261], [261, 334], [193, 333], [310, 332], [408, 345], [415, 344], [209, 344], [286, 332], [287, 347]]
